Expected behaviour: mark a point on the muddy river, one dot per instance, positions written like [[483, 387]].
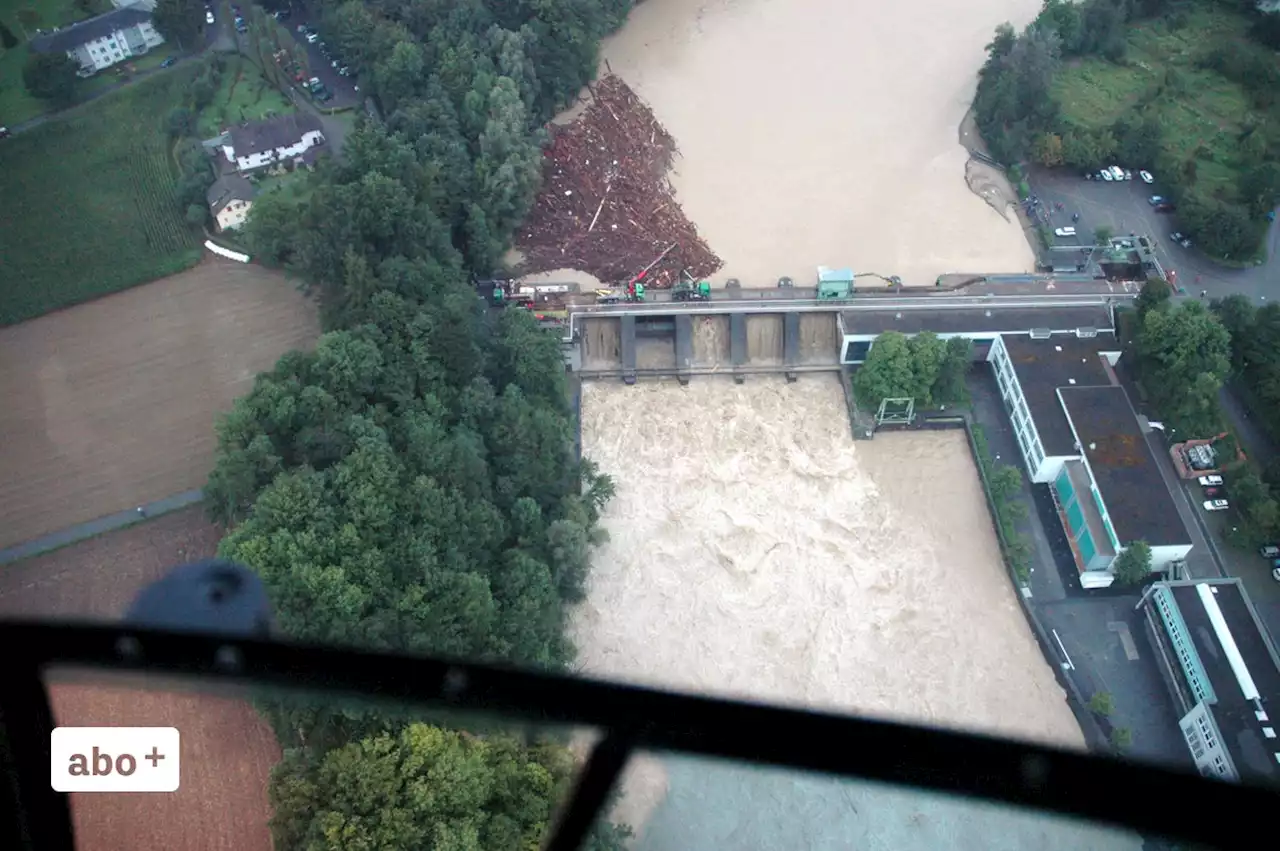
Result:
[[824, 132], [756, 551]]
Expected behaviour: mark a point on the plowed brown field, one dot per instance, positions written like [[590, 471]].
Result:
[[227, 750], [111, 404]]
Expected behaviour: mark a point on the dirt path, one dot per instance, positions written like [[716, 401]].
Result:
[[111, 404]]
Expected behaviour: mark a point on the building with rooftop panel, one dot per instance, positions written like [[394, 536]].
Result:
[[1223, 674]]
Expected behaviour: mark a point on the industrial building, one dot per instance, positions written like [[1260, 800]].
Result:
[[981, 324], [1074, 423], [1223, 675]]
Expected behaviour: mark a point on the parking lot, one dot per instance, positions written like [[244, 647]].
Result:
[[1123, 206], [346, 93]]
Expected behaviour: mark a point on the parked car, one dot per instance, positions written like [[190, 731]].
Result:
[[282, 15], [1117, 173], [1128, 175], [312, 38], [1180, 238], [1164, 207], [1213, 482], [4, 131], [1275, 573], [1146, 177], [1269, 551], [1155, 200], [168, 62], [208, 17], [1215, 505], [1216, 493], [1065, 232], [1106, 175]]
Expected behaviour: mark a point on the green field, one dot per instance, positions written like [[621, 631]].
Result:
[[244, 95], [90, 204], [1203, 114]]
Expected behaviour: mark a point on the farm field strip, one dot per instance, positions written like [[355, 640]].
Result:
[[112, 404]]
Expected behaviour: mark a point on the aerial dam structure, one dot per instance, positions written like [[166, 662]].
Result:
[[741, 332]]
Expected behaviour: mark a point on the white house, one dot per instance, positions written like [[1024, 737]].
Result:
[[259, 144], [103, 41], [230, 199]]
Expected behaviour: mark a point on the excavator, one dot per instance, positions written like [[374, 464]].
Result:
[[687, 290]]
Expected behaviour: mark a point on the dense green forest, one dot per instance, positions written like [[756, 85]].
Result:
[[411, 484], [1188, 89], [1184, 354]]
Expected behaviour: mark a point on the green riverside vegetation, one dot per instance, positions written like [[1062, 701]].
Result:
[[411, 484], [1188, 89]]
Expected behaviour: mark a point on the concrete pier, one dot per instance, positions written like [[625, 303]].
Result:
[[629, 349], [791, 342], [738, 344], [684, 347]]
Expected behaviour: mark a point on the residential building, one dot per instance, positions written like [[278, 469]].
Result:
[[230, 198], [284, 139], [149, 5], [103, 41], [1223, 674]]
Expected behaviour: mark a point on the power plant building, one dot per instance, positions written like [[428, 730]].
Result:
[[1075, 426], [1223, 676]]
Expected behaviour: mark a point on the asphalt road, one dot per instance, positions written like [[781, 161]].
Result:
[[1124, 208]]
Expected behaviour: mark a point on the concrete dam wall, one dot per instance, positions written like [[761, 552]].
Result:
[[709, 342]]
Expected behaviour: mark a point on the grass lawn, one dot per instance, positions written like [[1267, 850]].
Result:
[[90, 202], [1208, 117], [244, 95]]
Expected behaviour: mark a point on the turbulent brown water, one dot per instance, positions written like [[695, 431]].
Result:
[[756, 551]]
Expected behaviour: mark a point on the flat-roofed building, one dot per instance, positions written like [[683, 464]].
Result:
[[1223, 674]]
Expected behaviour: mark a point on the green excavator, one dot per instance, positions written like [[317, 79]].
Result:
[[686, 290]]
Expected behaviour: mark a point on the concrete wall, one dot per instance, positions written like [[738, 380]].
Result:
[[711, 341], [764, 339], [819, 338], [601, 343]]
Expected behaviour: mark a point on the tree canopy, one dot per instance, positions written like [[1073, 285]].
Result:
[[922, 367], [1185, 355], [1133, 565], [411, 484], [179, 21], [51, 77], [423, 787], [1033, 91]]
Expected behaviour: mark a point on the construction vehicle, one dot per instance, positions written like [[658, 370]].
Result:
[[634, 292], [687, 290]]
